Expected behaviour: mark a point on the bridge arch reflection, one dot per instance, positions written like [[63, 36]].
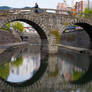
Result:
[[17, 52]]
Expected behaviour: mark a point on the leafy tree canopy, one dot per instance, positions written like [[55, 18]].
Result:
[[4, 71], [18, 26], [17, 62], [15, 25], [88, 12]]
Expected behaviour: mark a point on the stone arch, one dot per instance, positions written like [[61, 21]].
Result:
[[35, 22], [85, 24], [77, 21], [39, 25]]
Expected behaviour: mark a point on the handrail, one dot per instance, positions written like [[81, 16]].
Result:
[[41, 10]]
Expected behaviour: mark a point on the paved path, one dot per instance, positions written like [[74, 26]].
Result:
[[81, 50], [78, 49], [5, 46]]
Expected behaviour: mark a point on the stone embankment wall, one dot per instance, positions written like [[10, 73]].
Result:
[[8, 37], [76, 39], [32, 38]]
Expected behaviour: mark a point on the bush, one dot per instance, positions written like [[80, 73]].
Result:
[[56, 34], [88, 12]]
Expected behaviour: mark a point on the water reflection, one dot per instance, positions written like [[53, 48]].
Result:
[[24, 68], [73, 66], [21, 67], [26, 71]]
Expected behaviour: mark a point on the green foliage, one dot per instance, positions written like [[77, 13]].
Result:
[[55, 73], [76, 75], [2, 13], [17, 62], [80, 15], [5, 68], [88, 12], [19, 26], [75, 25], [4, 71], [56, 34], [6, 27], [66, 24], [16, 25]]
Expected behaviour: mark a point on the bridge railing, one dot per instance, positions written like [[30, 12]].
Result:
[[40, 10], [32, 10]]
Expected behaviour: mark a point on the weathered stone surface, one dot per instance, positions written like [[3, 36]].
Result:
[[8, 37], [44, 22], [76, 39]]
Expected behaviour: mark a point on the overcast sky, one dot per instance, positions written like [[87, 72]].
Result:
[[30, 3], [23, 3]]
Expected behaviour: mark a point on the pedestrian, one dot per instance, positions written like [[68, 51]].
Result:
[[36, 8]]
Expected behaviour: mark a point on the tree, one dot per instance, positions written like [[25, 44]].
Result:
[[77, 75], [4, 71], [17, 62], [6, 27], [15, 25], [18, 26], [87, 12]]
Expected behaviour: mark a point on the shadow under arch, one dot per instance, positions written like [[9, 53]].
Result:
[[88, 28]]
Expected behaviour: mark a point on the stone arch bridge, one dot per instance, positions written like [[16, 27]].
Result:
[[46, 21]]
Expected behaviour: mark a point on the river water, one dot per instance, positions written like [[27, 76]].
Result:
[[31, 68]]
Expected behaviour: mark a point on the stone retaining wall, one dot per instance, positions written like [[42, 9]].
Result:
[[8, 37], [76, 39]]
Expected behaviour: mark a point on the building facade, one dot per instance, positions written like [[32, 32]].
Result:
[[63, 8], [80, 6]]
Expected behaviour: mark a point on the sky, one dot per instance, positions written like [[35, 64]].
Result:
[[30, 3]]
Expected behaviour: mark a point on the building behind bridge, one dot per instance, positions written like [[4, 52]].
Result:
[[62, 7], [80, 6]]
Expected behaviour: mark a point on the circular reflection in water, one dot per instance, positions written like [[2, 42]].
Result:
[[28, 67], [73, 66], [22, 66]]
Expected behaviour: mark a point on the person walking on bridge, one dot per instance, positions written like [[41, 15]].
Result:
[[36, 8]]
